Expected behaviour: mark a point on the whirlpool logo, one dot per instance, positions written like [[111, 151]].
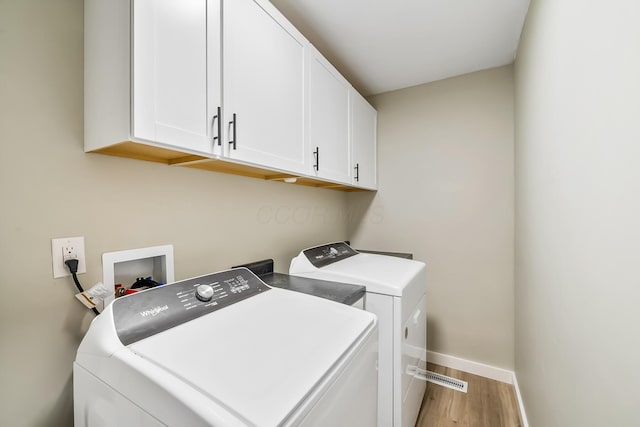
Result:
[[154, 311]]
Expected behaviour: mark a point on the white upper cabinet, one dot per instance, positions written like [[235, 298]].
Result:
[[328, 120], [363, 142], [176, 72], [264, 59], [223, 85]]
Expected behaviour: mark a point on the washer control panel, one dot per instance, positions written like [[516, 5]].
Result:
[[321, 256], [143, 314]]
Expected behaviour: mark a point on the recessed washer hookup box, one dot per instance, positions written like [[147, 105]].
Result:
[[126, 266]]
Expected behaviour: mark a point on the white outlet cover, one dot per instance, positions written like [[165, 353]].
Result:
[[59, 267]]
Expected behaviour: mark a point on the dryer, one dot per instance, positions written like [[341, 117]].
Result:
[[225, 349], [396, 293]]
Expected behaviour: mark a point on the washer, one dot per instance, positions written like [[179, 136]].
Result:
[[225, 349], [395, 292]]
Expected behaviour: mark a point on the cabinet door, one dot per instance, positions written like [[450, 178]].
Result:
[[328, 110], [176, 72], [363, 142], [263, 86]]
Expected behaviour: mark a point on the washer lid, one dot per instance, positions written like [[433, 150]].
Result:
[[262, 357]]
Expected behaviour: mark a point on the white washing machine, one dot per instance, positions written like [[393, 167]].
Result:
[[395, 292], [226, 350]]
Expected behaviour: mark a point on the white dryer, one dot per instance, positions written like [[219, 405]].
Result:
[[226, 350], [395, 292]]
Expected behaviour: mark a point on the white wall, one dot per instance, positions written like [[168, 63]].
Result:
[[445, 153], [50, 188], [578, 213]]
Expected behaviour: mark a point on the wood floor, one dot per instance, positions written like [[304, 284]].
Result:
[[487, 403]]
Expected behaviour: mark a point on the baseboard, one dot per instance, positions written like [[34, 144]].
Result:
[[471, 367], [523, 414], [486, 371]]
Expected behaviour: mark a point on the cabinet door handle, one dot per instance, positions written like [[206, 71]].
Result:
[[233, 127], [317, 154], [357, 168], [217, 117]]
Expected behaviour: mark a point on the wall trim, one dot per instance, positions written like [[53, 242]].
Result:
[[480, 369], [523, 414], [471, 367]]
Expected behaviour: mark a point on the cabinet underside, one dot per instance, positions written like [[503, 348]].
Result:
[[167, 156]]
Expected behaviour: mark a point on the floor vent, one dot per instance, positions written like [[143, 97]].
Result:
[[445, 381]]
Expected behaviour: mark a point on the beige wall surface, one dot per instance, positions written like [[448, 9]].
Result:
[[578, 213], [445, 153], [51, 188]]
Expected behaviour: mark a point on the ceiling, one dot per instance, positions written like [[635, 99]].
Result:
[[383, 45]]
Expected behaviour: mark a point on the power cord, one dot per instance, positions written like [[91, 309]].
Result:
[[73, 268]]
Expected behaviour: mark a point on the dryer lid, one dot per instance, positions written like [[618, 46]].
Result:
[[381, 274], [263, 357]]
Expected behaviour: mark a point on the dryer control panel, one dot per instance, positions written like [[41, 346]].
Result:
[[321, 256], [143, 314]]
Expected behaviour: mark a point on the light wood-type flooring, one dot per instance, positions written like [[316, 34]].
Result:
[[487, 403]]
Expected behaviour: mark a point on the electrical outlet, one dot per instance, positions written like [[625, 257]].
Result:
[[69, 250], [64, 249]]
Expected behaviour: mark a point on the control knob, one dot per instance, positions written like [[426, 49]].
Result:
[[204, 293]]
